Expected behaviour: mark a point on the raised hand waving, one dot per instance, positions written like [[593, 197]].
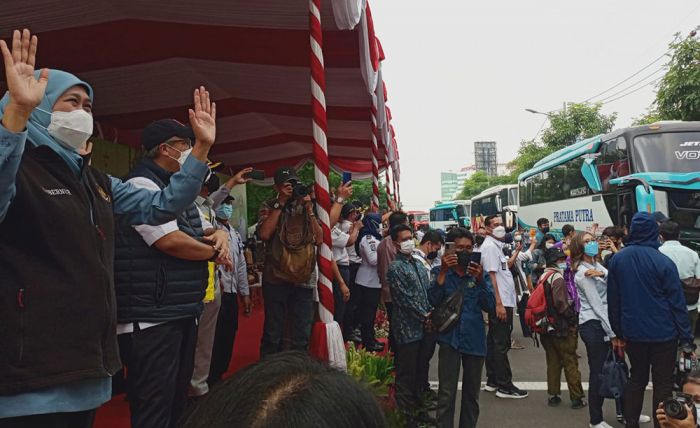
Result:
[[26, 92]]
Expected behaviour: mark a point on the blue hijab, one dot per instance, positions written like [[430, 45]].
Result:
[[370, 226], [59, 82]]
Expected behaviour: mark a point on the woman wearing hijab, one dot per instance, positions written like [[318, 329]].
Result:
[[57, 303], [366, 297]]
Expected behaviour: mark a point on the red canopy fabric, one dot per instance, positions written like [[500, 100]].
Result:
[[145, 57]]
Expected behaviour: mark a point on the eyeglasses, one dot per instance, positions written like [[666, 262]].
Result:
[[186, 142]]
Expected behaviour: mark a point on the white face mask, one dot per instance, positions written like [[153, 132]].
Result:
[[518, 238], [184, 154], [499, 232], [407, 247], [71, 128], [548, 245]]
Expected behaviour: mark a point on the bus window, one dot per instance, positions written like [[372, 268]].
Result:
[[503, 194], [667, 152], [513, 196], [613, 161]]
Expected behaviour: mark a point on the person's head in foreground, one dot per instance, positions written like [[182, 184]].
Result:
[[288, 389]]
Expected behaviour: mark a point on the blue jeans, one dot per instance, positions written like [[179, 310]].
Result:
[[281, 299]]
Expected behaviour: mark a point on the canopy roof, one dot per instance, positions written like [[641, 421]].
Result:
[[144, 58]]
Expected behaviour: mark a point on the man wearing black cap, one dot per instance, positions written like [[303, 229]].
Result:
[[289, 228], [160, 279]]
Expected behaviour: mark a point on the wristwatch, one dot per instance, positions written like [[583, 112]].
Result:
[[277, 205], [339, 200]]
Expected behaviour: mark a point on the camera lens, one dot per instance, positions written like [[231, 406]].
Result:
[[675, 409]]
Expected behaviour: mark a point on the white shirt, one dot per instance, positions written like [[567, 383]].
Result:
[[594, 297], [339, 248], [420, 257], [686, 260], [493, 260], [150, 235], [367, 275], [236, 280], [345, 226]]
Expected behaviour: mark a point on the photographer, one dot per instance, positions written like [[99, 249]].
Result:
[[465, 344], [289, 228], [691, 387]]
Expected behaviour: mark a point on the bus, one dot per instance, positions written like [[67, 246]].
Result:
[[608, 178], [498, 200], [418, 218], [450, 214]]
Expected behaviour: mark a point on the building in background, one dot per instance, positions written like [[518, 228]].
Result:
[[449, 185], [485, 157], [503, 169]]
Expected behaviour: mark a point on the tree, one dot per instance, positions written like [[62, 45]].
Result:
[[575, 122], [678, 96]]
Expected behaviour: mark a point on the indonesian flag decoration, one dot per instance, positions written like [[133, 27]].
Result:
[[375, 161], [326, 336]]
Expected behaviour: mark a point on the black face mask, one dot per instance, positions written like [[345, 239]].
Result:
[[479, 239], [432, 255], [545, 229]]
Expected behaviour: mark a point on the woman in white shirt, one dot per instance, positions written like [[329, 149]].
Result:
[[594, 325], [368, 288]]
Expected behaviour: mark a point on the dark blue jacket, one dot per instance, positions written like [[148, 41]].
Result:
[[469, 336], [645, 295]]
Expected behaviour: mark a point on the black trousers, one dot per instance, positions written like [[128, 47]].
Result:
[[352, 318], [407, 395], [226, 328], [52, 420], [367, 302], [392, 344], [159, 368], [661, 358], [449, 363], [339, 303], [281, 300], [498, 370], [425, 354], [522, 305], [597, 348]]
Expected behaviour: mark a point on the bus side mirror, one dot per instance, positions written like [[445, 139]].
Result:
[[455, 215], [590, 174], [645, 199]]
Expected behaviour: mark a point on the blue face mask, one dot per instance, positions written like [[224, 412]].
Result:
[[591, 249], [224, 211], [562, 266]]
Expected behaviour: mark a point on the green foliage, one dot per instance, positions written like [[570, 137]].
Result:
[[479, 182], [678, 96], [372, 369], [651, 116], [577, 121]]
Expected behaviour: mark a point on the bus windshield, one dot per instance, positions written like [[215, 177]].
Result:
[[668, 152]]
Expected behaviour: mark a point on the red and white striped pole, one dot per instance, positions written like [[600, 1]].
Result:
[[387, 181], [326, 337], [375, 156]]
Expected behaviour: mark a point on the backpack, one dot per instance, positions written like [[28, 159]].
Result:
[[539, 314], [293, 251]]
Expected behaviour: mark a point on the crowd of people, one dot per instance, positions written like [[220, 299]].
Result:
[[139, 288]]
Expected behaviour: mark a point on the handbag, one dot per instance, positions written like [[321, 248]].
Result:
[[447, 314], [613, 377]]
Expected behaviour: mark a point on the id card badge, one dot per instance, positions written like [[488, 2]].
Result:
[[504, 263]]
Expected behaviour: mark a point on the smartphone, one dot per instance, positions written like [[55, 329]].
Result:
[[449, 248], [347, 176], [256, 174], [476, 258]]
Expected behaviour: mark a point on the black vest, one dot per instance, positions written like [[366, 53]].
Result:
[[152, 286], [57, 308]]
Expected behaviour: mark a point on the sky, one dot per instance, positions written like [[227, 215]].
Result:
[[462, 71]]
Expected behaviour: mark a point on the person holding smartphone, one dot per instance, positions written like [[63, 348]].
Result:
[[465, 344]]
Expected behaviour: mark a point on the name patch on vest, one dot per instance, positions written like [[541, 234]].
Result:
[[57, 192], [104, 194]]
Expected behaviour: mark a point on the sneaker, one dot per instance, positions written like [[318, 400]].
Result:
[[600, 425], [512, 392], [620, 418], [553, 401], [515, 345], [578, 404], [489, 387], [644, 419]]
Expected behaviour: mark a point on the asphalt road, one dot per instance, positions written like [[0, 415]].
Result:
[[529, 372]]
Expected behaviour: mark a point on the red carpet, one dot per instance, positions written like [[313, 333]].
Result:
[[246, 351]]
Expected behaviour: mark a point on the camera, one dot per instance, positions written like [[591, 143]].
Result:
[[300, 190], [674, 407]]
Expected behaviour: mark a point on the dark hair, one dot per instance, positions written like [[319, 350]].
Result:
[[397, 218], [614, 232], [670, 230], [541, 221], [432, 236], [567, 229], [458, 233], [287, 389], [487, 220], [398, 229], [545, 238]]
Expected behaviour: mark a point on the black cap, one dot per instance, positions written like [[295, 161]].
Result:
[[347, 209], [160, 131], [228, 199], [213, 183], [285, 175], [551, 255], [659, 217]]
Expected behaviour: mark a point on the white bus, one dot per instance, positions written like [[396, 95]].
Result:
[[495, 200], [449, 214]]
